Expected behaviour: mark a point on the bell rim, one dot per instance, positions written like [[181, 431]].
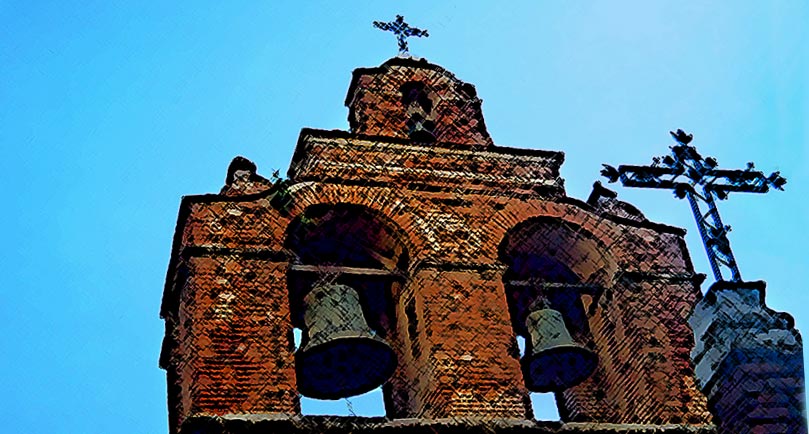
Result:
[[310, 390], [591, 359]]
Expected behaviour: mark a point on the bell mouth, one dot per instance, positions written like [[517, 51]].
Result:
[[558, 368], [343, 367]]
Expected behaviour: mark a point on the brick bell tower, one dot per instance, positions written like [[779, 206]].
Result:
[[412, 251]]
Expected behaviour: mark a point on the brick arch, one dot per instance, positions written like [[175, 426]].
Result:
[[566, 242], [550, 249], [358, 243], [374, 97], [352, 225], [346, 235], [553, 249], [389, 205]]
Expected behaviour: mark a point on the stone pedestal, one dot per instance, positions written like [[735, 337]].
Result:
[[748, 361]]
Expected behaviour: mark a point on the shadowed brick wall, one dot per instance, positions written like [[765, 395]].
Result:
[[749, 361]]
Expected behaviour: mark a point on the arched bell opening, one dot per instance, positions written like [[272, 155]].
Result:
[[348, 261], [554, 271]]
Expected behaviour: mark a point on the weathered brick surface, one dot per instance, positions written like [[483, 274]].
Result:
[[232, 338], [378, 106], [470, 364], [646, 374], [749, 361], [762, 393], [237, 424], [452, 224], [329, 155], [434, 222]]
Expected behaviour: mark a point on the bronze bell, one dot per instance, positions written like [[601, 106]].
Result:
[[341, 355], [553, 361]]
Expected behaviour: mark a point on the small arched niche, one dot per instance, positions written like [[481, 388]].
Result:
[[418, 102], [558, 265], [351, 245]]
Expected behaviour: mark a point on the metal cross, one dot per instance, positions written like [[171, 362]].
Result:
[[402, 32], [698, 180]]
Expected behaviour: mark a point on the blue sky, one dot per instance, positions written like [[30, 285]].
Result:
[[111, 111]]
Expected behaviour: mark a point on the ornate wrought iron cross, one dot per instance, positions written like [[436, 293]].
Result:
[[698, 180], [402, 31]]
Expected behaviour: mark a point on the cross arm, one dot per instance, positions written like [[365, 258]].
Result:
[[719, 181], [722, 190], [744, 181], [382, 25], [415, 32], [642, 176]]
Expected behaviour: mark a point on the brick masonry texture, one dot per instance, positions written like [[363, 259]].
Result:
[[239, 424], [379, 104], [449, 240], [749, 361]]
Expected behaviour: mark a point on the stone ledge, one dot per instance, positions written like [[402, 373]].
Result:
[[279, 423]]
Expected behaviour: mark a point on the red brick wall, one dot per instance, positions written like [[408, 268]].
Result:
[[453, 202], [466, 363], [375, 103], [233, 338], [470, 365], [645, 374]]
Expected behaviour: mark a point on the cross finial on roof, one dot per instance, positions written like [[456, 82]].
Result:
[[402, 31]]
